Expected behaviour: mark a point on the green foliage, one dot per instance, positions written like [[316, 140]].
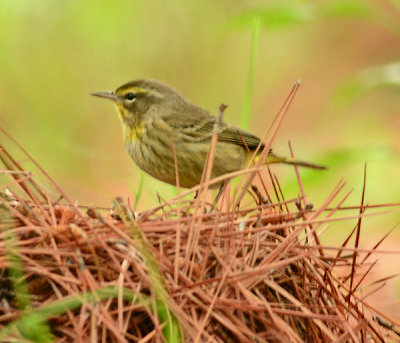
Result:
[[16, 272], [345, 8], [396, 4], [386, 75], [34, 328], [286, 14], [33, 324]]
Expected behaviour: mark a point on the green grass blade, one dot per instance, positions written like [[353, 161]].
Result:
[[139, 191], [30, 323], [171, 329], [251, 72]]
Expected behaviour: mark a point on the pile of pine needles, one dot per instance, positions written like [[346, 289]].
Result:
[[251, 269]]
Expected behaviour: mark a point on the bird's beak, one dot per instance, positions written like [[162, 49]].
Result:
[[107, 95]]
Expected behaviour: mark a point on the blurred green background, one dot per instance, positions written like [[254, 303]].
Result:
[[347, 53]]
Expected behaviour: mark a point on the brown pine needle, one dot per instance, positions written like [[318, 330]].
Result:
[[243, 273]]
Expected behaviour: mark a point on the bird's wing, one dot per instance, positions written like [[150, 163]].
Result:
[[228, 133], [200, 127]]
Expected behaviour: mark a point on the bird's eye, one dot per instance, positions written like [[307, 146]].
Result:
[[130, 96]]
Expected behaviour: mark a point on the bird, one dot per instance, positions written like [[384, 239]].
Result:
[[162, 129]]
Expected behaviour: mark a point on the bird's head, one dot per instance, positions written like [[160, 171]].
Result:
[[135, 98]]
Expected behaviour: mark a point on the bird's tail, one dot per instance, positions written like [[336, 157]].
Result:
[[272, 159]]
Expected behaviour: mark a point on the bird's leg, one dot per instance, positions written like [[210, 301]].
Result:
[[221, 190], [196, 195]]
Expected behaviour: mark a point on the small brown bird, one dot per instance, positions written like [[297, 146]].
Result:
[[154, 116]]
